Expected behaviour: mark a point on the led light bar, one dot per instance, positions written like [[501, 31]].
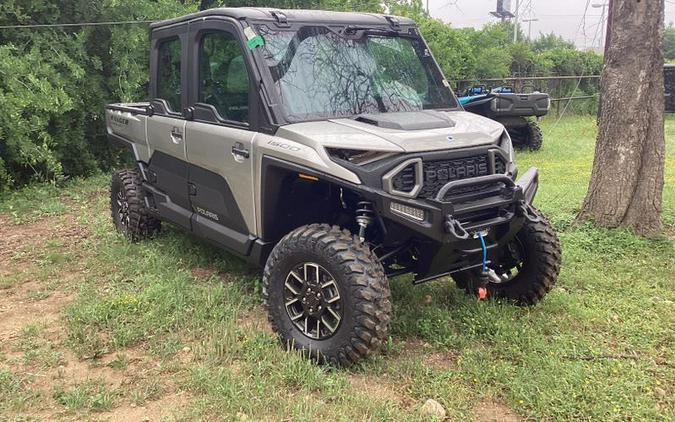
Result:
[[407, 211]]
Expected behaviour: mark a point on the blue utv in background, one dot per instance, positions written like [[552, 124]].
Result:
[[512, 110]]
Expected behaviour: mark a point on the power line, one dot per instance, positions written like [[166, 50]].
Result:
[[67, 25], [583, 22]]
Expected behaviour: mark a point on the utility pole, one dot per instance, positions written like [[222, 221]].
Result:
[[529, 26], [428, 9], [515, 26], [601, 39], [503, 11]]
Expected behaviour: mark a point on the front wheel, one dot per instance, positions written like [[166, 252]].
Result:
[[528, 268], [326, 294]]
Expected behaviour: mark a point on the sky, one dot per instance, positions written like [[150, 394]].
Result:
[[562, 17]]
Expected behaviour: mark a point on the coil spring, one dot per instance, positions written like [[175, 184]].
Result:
[[364, 216]]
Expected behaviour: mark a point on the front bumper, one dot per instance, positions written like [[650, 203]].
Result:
[[446, 237], [450, 222]]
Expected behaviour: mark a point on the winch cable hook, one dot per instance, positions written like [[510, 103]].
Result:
[[484, 276]]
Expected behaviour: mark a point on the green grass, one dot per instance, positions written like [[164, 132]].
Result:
[[599, 347], [15, 394], [89, 395], [35, 350]]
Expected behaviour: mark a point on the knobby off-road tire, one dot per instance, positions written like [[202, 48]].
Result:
[[127, 206], [528, 136], [364, 298], [540, 266]]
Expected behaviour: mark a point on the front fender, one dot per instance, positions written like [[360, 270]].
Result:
[[529, 183]]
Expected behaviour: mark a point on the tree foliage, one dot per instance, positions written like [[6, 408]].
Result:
[[669, 43], [54, 82], [489, 52]]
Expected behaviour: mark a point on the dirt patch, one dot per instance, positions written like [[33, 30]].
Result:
[[75, 371], [440, 360], [165, 408], [495, 412], [255, 319], [17, 310], [18, 241], [415, 345], [203, 273], [415, 348], [142, 390], [140, 378], [381, 387]]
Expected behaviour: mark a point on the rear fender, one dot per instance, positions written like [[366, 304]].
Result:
[[128, 128]]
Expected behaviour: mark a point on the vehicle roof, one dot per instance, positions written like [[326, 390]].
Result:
[[292, 15]]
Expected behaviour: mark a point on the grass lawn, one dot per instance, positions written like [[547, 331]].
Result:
[[92, 326]]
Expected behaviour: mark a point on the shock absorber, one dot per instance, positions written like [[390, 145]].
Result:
[[364, 216]]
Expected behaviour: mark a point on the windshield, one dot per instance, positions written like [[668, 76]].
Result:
[[319, 74]]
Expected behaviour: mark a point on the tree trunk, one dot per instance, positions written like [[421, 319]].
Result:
[[627, 179]]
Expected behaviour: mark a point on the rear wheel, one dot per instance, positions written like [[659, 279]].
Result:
[[528, 136], [529, 266], [326, 294], [127, 206]]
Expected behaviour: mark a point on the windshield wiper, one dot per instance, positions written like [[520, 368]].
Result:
[[352, 29]]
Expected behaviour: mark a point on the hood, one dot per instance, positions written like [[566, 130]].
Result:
[[398, 132]]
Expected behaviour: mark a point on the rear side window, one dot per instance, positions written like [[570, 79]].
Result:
[[223, 77], [169, 75]]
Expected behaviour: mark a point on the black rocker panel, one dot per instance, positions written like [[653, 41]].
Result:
[[168, 175], [212, 199], [198, 200], [216, 216]]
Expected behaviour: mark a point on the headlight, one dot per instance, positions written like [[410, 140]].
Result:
[[407, 211], [506, 144], [357, 156]]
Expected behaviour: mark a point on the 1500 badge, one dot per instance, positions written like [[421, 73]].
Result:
[[287, 147]]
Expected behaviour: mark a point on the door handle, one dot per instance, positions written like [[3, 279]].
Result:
[[176, 135], [238, 149]]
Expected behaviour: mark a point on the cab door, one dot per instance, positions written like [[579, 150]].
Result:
[[219, 138], [167, 169]]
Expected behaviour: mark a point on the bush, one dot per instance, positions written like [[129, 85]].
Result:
[[54, 82]]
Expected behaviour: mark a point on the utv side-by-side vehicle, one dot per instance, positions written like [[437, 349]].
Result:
[[514, 111], [329, 149]]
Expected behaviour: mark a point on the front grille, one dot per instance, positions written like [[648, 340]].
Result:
[[500, 165], [438, 173]]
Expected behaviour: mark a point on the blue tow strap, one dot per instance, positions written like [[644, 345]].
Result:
[[482, 245]]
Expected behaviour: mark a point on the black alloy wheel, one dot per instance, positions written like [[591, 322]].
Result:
[[313, 301]]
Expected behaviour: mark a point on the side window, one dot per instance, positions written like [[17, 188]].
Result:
[[223, 77], [168, 76]]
